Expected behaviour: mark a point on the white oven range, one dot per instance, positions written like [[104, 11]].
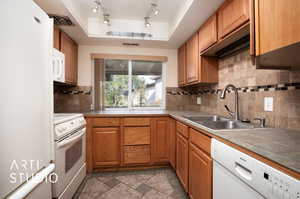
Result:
[[69, 154]]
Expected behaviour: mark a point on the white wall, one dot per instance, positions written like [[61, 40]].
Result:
[[85, 62]]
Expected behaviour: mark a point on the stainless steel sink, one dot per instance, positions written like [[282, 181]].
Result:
[[220, 123], [214, 118]]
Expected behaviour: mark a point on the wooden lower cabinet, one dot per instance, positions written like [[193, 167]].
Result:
[[136, 135], [106, 146], [172, 143], [160, 139], [182, 160], [200, 174], [137, 154]]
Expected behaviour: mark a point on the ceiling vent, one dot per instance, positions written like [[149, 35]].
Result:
[[129, 34], [131, 44], [61, 20]]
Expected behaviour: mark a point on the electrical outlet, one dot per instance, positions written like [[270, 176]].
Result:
[[268, 101], [199, 100]]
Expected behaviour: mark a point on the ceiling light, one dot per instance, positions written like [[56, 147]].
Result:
[[147, 23], [106, 19], [95, 9], [155, 10]]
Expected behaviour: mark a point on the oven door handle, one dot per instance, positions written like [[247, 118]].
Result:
[[71, 140]]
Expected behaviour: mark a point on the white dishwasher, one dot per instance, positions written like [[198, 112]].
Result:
[[239, 176]]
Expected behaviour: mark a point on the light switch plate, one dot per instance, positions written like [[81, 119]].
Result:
[[268, 104], [199, 100]]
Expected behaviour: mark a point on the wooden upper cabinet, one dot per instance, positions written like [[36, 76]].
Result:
[[182, 65], [182, 160], [106, 154], [200, 174], [208, 34], [277, 24], [231, 15], [70, 49], [160, 139], [56, 38], [208, 69], [192, 59]]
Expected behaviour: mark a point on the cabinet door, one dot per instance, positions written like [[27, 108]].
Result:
[[182, 65], [106, 154], [208, 33], [208, 69], [66, 48], [182, 160], [56, 38], [231, 15], [192, 66], [172, 146], [160, 136], [70, 49], [74, 71], [277, 24], [200, 174]]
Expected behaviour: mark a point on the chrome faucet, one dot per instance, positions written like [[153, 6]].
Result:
[[234, 114]]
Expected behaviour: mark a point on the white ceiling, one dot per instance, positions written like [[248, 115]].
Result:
[[134, 9], [176, 22]]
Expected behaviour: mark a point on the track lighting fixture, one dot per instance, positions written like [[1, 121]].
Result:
[[153, 11], [99, 6]]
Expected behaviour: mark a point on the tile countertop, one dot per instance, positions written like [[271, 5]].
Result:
[[279, 145]]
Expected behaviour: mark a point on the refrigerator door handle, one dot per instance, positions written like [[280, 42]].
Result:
[[31, 184]]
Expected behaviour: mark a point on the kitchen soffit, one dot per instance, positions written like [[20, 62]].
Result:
[[177, 20]]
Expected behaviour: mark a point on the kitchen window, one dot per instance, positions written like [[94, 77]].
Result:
[[130, 84]]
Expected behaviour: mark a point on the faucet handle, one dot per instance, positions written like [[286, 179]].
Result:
[[228, 110], [262, 122]]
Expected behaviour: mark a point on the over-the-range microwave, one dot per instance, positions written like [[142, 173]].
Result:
[[58, 66]]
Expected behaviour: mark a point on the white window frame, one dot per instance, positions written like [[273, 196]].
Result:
[[130, 107]]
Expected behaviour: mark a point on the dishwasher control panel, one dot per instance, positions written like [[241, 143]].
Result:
[[269, 182], [275, 184]]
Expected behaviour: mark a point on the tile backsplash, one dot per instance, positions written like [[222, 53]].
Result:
[[254, 85], [72, 99]]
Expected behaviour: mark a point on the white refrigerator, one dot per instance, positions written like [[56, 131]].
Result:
[[26, 100]]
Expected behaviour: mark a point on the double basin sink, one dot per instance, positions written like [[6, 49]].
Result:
[[215, 122]]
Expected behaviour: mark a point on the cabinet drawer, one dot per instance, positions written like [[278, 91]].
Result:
[[106, 122], [182, 129], [137, 154], [200, 140], [136, 135], [133, 121]]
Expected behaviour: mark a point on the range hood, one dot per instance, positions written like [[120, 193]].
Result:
[[286, 58], [234, 48]]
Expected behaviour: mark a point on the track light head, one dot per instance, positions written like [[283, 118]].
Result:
[[106, 19], [95, 9], [147, 22], [154, 8]]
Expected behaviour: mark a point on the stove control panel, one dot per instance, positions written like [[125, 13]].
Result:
[[67, 127]]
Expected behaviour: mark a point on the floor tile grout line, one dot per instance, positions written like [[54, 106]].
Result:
[[165, 173], [157, 189]]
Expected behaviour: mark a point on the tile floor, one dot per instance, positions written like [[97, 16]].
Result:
[[146, 184]]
